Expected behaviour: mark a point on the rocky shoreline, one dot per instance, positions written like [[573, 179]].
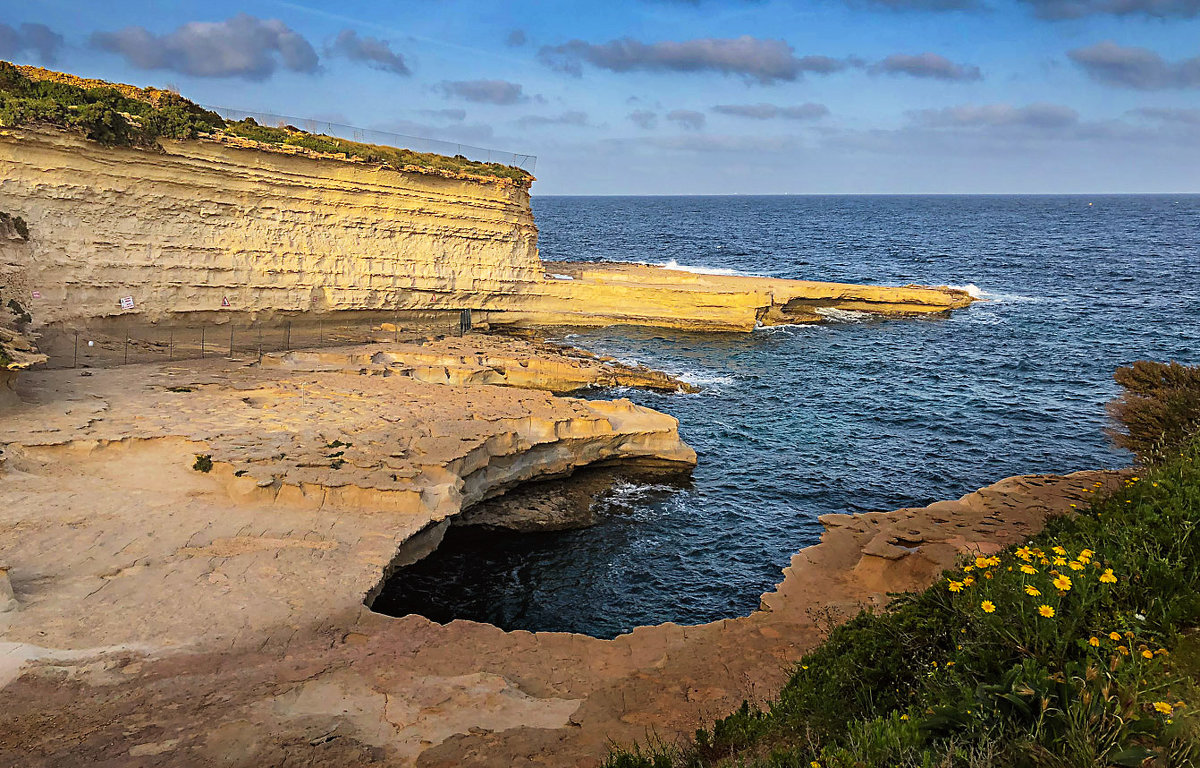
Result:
[[170, 616]]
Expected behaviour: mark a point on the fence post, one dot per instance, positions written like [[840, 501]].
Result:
[[230, 339], [320, 333], [202, 342], [76, 363], [396, 325], [287, 340], [126, 347], [171, 346], [260, 343]]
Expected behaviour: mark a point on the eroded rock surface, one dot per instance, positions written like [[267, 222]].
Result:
[[476, 359], [168, 616], [204, 230]]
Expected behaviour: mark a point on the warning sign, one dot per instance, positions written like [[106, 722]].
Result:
[[126, 302], [37, 294], [224, 301]]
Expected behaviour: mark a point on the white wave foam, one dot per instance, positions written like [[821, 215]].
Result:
[[675, 265], [701, 378], [792, 328], [975, 291], [999, 298]]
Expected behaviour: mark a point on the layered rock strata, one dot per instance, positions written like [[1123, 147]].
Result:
[[203, 228], [170, 616], [591, 294], [476, 359]]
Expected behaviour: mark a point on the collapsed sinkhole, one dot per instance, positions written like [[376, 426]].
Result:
[[521, 561]]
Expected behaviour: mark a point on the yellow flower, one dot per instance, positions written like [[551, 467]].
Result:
[[1163, 707], [1114, 636], [1161, 652], [1062, 583], [1032, 591], [993, 561], [1046, 611], [989, 607], [1085, 555], [987, 574], [1028, 569], [968, 581], [1147, 654], [955, 586], [1107, 577], [1094, 642], [1124, 651], [1044, 561], [904, 717], [981, 562], [1058, 550], [814, 764], [1024, 553], [1060, 561], [1075, 565], [968, 568]]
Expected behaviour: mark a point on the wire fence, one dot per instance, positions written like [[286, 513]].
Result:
[[119, 343], [398, 140]]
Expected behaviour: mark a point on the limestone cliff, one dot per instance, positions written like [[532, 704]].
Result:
[[17, 350], [206, 226], [183, 230]]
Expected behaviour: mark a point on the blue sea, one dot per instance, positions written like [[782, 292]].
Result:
[[855, 415]]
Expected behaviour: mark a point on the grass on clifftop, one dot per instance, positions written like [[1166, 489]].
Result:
[[124, 115], [1075, 649]]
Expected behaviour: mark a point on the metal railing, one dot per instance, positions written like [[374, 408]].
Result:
[[125, 343], [397, 140]]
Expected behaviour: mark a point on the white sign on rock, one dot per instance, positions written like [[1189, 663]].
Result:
[[126, 302]]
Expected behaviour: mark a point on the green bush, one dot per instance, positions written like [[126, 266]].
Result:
[[1159, 408], [203, 463], [1072, 650], [107, 115]]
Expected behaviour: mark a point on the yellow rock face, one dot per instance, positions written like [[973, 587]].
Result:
[[182, 230], [639, 294], [204, 227]]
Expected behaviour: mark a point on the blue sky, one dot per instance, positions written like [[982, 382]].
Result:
[[693, 96]]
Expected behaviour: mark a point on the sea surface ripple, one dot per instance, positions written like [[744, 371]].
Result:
[[856, 415]]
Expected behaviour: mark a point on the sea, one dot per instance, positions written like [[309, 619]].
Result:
[[858, 414]]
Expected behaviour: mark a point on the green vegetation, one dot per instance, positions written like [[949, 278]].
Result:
[[1159, 407], [203, 463], [125, 116], [103, 114], [372, 153], [1075, 649]]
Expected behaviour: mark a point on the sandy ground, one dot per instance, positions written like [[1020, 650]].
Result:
[[167, 616]]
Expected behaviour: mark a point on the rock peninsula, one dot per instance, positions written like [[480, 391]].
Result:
[[167, 615], [212, 230]]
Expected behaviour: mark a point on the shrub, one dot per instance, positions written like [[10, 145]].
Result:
[[203, 463], [123, 115], [1071, 650], [1159, 408]]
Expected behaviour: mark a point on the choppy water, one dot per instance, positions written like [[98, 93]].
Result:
[[853, 416]]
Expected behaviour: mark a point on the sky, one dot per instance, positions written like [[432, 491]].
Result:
[[692, 96]]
